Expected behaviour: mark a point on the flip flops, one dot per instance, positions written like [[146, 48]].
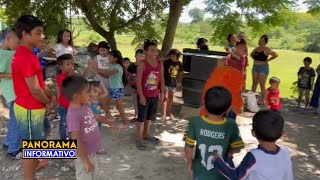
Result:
[[153, 140], [140, 146]]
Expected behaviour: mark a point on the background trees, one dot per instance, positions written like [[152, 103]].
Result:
[[146, 19], [196, 14]]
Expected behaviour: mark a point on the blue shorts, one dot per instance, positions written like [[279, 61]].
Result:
[[169, 88], [261, 69], [116, 94]]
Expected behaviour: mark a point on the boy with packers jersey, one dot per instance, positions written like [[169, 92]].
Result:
[[213, 133]]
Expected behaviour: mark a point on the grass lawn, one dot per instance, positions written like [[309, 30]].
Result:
[[284, 67]]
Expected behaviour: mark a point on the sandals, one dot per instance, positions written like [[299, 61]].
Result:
[[153, 140], [133, 120], [140, 146]]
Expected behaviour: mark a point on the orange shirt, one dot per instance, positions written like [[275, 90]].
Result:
[[230, 79]]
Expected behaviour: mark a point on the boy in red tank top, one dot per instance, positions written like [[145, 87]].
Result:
[[273, 94], [150, 81]]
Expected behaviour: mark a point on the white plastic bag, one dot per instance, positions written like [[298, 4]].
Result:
[[252, 101]]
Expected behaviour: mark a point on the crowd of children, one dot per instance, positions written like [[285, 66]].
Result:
[[83, 105]]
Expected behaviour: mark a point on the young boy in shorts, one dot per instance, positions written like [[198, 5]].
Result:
[[268, 161], [306, 76], [32, 95], [150, 84], [212, 132], [12, 142], [172, 68], [139, 55], [83, 127]]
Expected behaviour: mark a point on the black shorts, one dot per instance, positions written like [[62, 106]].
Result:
[[149, 111]]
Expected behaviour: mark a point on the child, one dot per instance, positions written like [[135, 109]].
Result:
[[126, 64], [95, 90], [238, 60], [66, 68], [82, 126], [40, 53], [202, 44], [32, 95], [273, 95], [229, 78], [101, 64], [150, 80], [268, 161], [244, 46], [117, 81], [212, 132], [172, 73], [232, 39], [316, 93], [306, 76], [64, 43], [139, 55], [12, 142]]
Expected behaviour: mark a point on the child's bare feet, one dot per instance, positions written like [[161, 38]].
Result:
[[102, 151], [172, 118], [164, 118], [110, 117], [125, 121], [123, 126], [42, 164]]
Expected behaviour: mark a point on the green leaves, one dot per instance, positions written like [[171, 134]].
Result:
[[52, 12], [107, 17], [313, 6], [118, 16], [230, 15], [196, 14]]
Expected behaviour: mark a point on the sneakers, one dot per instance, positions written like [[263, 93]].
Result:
[[5, 147], [17, 155]]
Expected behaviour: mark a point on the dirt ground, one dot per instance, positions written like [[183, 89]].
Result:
[[166, 161]]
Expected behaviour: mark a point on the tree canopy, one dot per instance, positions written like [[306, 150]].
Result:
[[260, 15], [52, 12], [313, 6], [107, 18], [196, 14]]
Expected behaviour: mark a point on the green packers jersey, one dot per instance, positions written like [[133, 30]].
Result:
[[211, 137]]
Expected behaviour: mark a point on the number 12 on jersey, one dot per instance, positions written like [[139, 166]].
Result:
[[203, 150]]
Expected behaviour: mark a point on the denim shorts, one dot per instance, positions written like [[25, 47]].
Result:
[[148, 111], [116, 94], [261, 69], [169, 88]]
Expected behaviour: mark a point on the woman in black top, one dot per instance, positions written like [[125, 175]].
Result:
[[260, 71]]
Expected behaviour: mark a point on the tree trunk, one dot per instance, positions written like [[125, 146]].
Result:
[[110, 37], [175, 11]]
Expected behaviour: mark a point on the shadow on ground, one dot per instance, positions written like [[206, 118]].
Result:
[[166, 160]]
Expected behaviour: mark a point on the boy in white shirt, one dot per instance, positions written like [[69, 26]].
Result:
[[268, 161]]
